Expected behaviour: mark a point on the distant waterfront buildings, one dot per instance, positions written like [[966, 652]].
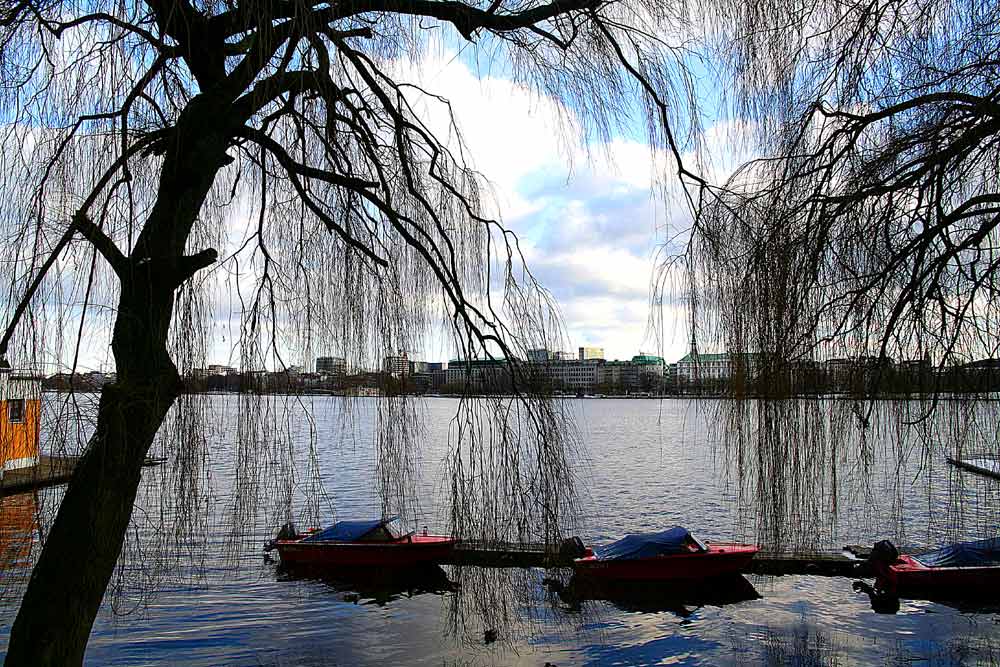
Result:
[[737, 373], [560, 372]]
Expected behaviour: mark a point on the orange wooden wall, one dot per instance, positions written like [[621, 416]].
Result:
[[19, 440]]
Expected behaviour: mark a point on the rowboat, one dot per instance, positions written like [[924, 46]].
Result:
[[378, 543], [958, 571], [671, 555]]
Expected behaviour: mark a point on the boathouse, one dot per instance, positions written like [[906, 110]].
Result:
[[20, 411]]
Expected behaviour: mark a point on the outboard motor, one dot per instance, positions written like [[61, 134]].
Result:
[[884, 553], [287, 532], [572, 547]]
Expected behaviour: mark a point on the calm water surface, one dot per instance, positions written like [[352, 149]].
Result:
[[213, 599]]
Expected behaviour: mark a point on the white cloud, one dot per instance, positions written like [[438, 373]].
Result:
[[588, 216]]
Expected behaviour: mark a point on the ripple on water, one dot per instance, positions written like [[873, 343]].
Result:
[[645, 465]]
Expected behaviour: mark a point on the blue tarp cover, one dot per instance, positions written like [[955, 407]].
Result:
[[345, 531], [646, 545], [964, 554]]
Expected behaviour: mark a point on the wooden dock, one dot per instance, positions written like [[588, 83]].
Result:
[[50, 471], [847, 563]]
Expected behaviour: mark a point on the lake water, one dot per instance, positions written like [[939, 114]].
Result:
[[195, 588]]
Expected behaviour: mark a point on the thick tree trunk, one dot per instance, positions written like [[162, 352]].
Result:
[[79, 557], [68, 582]]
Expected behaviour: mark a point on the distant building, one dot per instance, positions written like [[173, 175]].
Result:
[[219, 369], [695, 367], [331, 366], [574, 374], [539, 355], [479, 373], [397, 366], [670, 375], [439, 376], [563, 356], [855, 369], [95, 379], [591, 353], [839, 369], [991, 366], [648, 370]]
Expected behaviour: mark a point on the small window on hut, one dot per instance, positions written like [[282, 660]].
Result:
[[15, 411]]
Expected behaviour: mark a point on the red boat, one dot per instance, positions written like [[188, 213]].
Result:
[[379, 543], [673, 554], [960, 571]]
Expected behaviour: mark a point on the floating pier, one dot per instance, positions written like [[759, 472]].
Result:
[[49, 471], [850, 562]]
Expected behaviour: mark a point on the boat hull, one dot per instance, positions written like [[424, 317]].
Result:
[[721, 559], [907, 577], [404, 553]]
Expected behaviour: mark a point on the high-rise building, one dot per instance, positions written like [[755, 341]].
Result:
[[331, 366], [397, 366], [591, 353]]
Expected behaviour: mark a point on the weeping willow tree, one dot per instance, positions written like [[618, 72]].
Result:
[[163, 159], [866, 229]]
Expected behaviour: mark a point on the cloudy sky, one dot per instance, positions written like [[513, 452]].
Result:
[[590, 222], [587, 215]]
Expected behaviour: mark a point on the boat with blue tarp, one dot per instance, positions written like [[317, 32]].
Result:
[[672, 554], [960, 570], [370, 543]]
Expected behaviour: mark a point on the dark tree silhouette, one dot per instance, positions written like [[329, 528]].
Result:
[[142, 140], [866, 229], [868, 226]]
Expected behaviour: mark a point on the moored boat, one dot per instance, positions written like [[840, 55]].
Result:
[[965, 570], [673, 554], [376, 543]]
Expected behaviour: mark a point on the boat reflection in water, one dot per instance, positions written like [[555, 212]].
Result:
[[678, 597], [372, 585]]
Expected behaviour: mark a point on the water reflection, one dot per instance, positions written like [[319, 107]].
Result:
[[972, 601], [493, 605], [18, 526], [378, 586], [679, 598]]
